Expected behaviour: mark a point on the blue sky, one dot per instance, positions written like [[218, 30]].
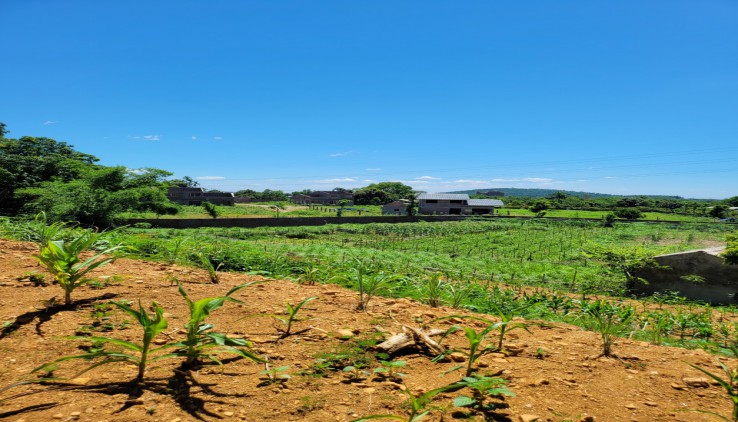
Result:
[[622, 97]]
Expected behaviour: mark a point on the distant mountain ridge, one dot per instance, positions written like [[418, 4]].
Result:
[[538, 193]]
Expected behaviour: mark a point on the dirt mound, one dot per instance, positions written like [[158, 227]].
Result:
[[554, 370]]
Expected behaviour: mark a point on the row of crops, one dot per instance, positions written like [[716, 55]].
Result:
[[555, 254]]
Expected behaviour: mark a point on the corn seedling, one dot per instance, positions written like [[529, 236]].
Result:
[[482, 388], [208, 266], [476, 350], [200, 342], [274, 375], [41, 233], [355, 373], [418, 405], [62, 259], [432, 287], [388, 368], [368, 282], [152, 325], [609, 320], [291, 316]]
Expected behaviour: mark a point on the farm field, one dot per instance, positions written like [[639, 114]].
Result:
[[327, 369], [536, 323], [560, 255]]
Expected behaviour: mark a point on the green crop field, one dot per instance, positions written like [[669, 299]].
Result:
[[551, 253]]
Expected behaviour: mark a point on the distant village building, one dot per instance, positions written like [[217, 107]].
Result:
[[329, 197], [394, 208], [455, 204], [196, 196]]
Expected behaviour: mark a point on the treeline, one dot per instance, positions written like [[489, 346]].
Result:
[[565, 201], [44, 175]]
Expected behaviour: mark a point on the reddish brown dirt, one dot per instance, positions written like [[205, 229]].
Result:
[[645, 382]]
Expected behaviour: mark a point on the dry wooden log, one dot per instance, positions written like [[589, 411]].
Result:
[[417, 338]]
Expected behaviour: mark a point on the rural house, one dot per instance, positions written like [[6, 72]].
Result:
[[323, 197], [196, 196], [453, 203], [394, 208]]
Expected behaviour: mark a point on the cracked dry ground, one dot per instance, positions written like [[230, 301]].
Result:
[[645, 382]]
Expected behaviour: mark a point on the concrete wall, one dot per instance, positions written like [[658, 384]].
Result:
[[720, 285], [191, 223]]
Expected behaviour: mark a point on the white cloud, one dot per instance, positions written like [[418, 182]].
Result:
[[210, 178], [338, 180], [610, 177], [369, 181], [473, 182], [50, 122], [194, 138], [374, 169], [427, 178], [218, 138], [152, 137], [339, 154]]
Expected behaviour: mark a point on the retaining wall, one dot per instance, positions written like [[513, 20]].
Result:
[[720, 285]]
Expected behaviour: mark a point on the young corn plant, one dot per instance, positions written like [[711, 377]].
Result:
[[208, 266], [137, 354], [201, 343], [389, 369], [368, 281], [62, 259], [418, 405], [483, 388], [290, 316], [609, 320], [476, 349], [432, 287]]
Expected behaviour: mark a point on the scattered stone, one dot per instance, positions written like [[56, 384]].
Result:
[[229, 413], [75, 415], [539, 382], [632, 371], [79, 381], [630, 406], [651, 403], [369, 390], [344, 334], [696, 382], [160, 341], [528, 418], [457, 357], [677, 386], [58, 416], [587, 419]]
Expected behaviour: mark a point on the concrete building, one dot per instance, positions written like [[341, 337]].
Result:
[[196, 196], [454, 203], [394, 208], [329, 197]]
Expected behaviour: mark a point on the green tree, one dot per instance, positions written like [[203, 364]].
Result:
[[29, 161], [628, 213], [382, 193], [539, 206], [719, 211]]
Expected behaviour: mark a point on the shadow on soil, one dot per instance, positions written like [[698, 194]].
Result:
[[45, 315], [179, 386]]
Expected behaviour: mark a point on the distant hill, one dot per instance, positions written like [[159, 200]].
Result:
[[538, 193]]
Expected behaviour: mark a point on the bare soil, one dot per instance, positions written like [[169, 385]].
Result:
[[555, 370]]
